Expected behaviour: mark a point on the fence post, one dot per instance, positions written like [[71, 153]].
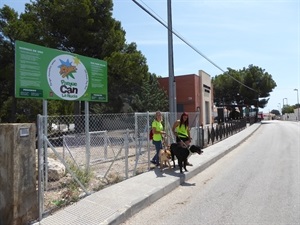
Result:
[[45, 132], [105, 144], [126, 144], [41, 174], [198, 127], [148, 140], [64, 148], [87, 135], [202, 136]]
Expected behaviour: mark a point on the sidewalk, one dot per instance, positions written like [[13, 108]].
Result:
[[115, 204]]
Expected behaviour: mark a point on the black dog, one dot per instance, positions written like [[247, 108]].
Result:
[[182, 154]]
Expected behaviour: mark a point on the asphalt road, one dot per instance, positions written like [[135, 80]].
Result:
[[258, 183]]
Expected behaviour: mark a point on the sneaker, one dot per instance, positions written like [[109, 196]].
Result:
[[153, 162]]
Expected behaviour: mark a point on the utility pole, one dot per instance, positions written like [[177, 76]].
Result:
[[298, 106], [283, 102], [172, 83]]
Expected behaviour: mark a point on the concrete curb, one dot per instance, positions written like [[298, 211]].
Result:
[[232, 142], [117, 203]]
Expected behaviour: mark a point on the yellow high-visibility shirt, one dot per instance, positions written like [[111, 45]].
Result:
[[159, 127]]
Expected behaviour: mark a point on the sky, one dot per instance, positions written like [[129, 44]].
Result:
[[230, 33]]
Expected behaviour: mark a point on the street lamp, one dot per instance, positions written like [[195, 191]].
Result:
[[298, 106], [283, 101], [283, 104]]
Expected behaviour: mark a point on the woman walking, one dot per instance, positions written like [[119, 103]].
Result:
[[157, 129], [182, 132]]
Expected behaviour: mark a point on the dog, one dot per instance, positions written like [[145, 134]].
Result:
[[182, 154], [164, 158]]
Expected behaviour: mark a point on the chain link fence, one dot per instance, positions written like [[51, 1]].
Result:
[[79, 155]]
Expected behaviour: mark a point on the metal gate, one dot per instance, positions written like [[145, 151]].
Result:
[[79, 155]]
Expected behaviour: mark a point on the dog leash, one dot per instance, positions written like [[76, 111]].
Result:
[[188, 147], [164, 142]]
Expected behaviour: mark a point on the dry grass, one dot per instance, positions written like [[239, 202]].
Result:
[[66, 191]]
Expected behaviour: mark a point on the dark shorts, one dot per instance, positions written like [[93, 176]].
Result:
[[184, 139]]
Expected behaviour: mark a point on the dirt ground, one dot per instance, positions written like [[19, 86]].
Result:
[[66, 190]]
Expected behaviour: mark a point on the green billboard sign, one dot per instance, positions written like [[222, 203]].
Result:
[[45, 73]]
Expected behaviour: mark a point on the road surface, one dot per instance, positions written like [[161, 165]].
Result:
[[258, 183]]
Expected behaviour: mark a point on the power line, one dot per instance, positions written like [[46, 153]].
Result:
[[187, 43]]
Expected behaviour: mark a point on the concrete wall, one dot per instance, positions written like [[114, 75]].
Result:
[[206, 107], [18, 194]]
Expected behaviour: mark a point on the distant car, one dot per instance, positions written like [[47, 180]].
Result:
[[260, 116]]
